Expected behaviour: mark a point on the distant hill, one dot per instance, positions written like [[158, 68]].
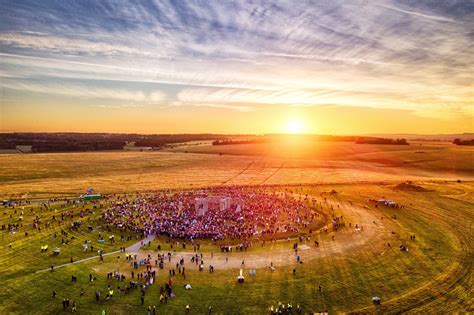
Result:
[[426, 137]]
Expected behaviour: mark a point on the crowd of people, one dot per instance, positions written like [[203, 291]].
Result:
[[252, 212]]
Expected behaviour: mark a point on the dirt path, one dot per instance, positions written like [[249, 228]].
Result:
[[136, 247], [133, 248]]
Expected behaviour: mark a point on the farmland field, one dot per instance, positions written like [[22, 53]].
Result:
[[311, 163], [342, 274]]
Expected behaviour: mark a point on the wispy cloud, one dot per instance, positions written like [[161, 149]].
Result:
[[43, 42], [239, 55], [85, 92], [231, 107], [418, 14], [116, 106]]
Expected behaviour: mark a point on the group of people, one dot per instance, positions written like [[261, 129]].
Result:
[[66, 303], [285, 308], [255, 211]]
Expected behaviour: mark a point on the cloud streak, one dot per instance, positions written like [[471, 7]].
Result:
[[42, 42], [86, 92], [427, 16]]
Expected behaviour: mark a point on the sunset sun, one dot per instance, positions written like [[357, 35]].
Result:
[[294, 126]]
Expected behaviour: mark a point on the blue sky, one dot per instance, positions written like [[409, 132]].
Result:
[[413, 58]]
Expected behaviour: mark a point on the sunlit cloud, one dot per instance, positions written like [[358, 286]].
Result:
[[232, 107]]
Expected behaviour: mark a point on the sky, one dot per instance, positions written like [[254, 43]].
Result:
[[325, 67]]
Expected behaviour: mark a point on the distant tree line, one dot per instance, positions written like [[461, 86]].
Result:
[[71, 142], [6, 145], [282, 137], [463, 142], [64, 142], [236, 141], [372, 140], [77, 146], [328, 138], [322, 138]]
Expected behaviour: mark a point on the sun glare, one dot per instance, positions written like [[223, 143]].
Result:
[[294, 127]]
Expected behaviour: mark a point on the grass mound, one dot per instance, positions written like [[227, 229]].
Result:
[[331, 193], [409, 186]]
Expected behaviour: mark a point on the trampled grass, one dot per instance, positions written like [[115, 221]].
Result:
[[433, 275]]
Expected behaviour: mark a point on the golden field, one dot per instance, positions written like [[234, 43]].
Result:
[[191, 166]]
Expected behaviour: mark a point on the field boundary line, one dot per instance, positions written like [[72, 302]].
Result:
[[273, 174], [239, 173]]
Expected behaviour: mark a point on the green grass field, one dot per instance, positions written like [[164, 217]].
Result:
[[434, 276]]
